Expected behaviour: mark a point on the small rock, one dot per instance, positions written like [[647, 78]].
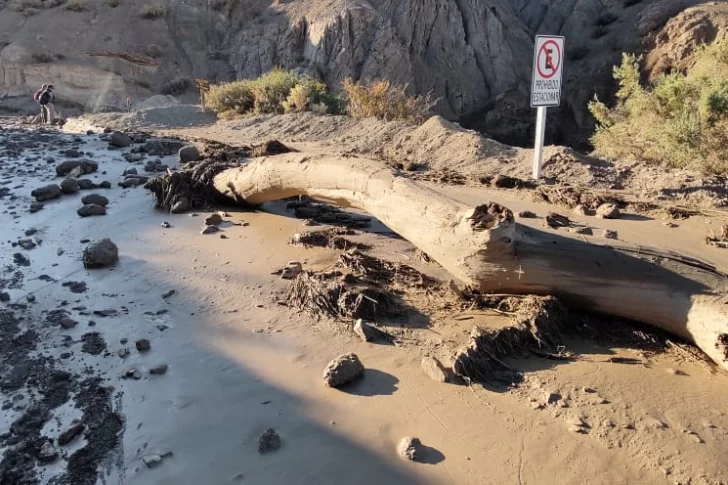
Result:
[[213, 220], [292, 270], [4, 297], [47, 192], [410, 448], [586, 231], [70, 186], [609, 234], [697, 439], [26, 244], [168, 294], [119, 140], [608, 211], [35, 207], [552, 397], [31, 232], [209, 230], [159, 370], [47, 453], [143, 345], [152, 461], [166, 225], [527, 215], [269, 441], [75, 286], [105, 184], [30, 298], [189, 154], [181, 205], [124, 353], [76, 167], [132, 373], [68, 323], [343, 369], [434, 369], [579, 210], [70, 434], [365, 331], [91, 210], [577, 429], [130, 171], [100, 254], [96, 199], [21, 259]]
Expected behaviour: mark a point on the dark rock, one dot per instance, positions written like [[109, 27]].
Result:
[[105, 185], [269, 441], [209, 230], [47, 453], [133, 181], [168, 294], [70, 186], [31, 232], [4, 297], [71, 433], [100, 254], [21, 260], [365, 331], [143, 345], [527, 215], [130, 171], [81, 166], [343, 369], [96, 199], [68, 323], [189, 153], [609, 234], [586, 231], [159, 370], [35, 207], [161, 167], [71, 153], [213, 220], [75, 286], [91, 210], [26, 244], [181, 205], [85, 184], [162, 147], [49, 192], [166, 224], [119, 140]]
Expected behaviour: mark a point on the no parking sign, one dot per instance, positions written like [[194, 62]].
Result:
[[548, 65]]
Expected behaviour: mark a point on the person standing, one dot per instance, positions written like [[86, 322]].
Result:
[[36, 98], [51, 104]]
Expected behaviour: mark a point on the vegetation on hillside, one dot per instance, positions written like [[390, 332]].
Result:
[[280, 91], [681, 120]]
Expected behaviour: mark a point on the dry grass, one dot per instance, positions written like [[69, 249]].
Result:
[[386, 101], [76, 6], [152, 11], [28, 7]]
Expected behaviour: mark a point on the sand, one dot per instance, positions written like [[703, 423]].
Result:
[[239, 363]]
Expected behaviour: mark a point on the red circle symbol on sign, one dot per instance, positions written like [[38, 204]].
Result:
[[546, 63]]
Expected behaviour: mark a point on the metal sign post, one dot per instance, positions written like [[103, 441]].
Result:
[[548, 66]]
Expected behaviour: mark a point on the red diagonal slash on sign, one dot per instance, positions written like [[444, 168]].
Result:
[[545, 61]]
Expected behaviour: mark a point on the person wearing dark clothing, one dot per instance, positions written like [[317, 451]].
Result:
[[46, 98], [36, 98]]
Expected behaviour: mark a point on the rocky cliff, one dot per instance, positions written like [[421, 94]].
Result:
[[475, 55]]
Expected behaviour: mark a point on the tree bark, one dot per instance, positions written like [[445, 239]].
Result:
[[484, 247]]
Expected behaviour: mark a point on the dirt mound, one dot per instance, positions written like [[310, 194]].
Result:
[[146, 119]]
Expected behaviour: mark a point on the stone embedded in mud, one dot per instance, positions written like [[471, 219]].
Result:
[[105, 185], [143, 345], [209, 230], [26, 244], [130, 171], [68, 323], [342, 370], [21, 260], [4, 297], [269, 441], [71, 433], [100, 254], [159, 370], [70, 186], [85, 184], [92, 210], [434, 369], [47, 453], [188, 154], [35, 207], [527, 215], [96, 199], [119, 140], [586, 231], [77, 167], [48, 192], [608, 211], [365, 331], [133, 181], [152, 461], [609, 234], [213, 220], [410, 448]]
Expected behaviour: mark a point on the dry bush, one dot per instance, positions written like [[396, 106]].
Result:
[[386, 101], [42, 57], [28, 7], [681, 120], [277, 91], [152, 11], [76, 5]]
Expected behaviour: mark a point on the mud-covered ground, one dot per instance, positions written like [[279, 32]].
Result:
[[169, 365]]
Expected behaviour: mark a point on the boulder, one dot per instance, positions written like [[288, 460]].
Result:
[[85, 184], [100, 254], [96, 199], [188, 154], [119, 140], [48, 192], [80, 167], [434, 369], [342, 370], [608, 211], [70, 186], [213, 220], [92, 210]]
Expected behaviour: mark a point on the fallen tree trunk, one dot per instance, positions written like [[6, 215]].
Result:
[[484, 247]]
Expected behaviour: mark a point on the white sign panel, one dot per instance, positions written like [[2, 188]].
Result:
[[548, 65]]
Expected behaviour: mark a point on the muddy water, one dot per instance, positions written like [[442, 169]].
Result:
[[239, 364]]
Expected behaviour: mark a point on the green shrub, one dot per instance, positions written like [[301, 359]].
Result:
[[680, 120], [277, 91], [152, 11], [386, 101]]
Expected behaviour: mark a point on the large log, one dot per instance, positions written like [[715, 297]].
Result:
[[484, 247]]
